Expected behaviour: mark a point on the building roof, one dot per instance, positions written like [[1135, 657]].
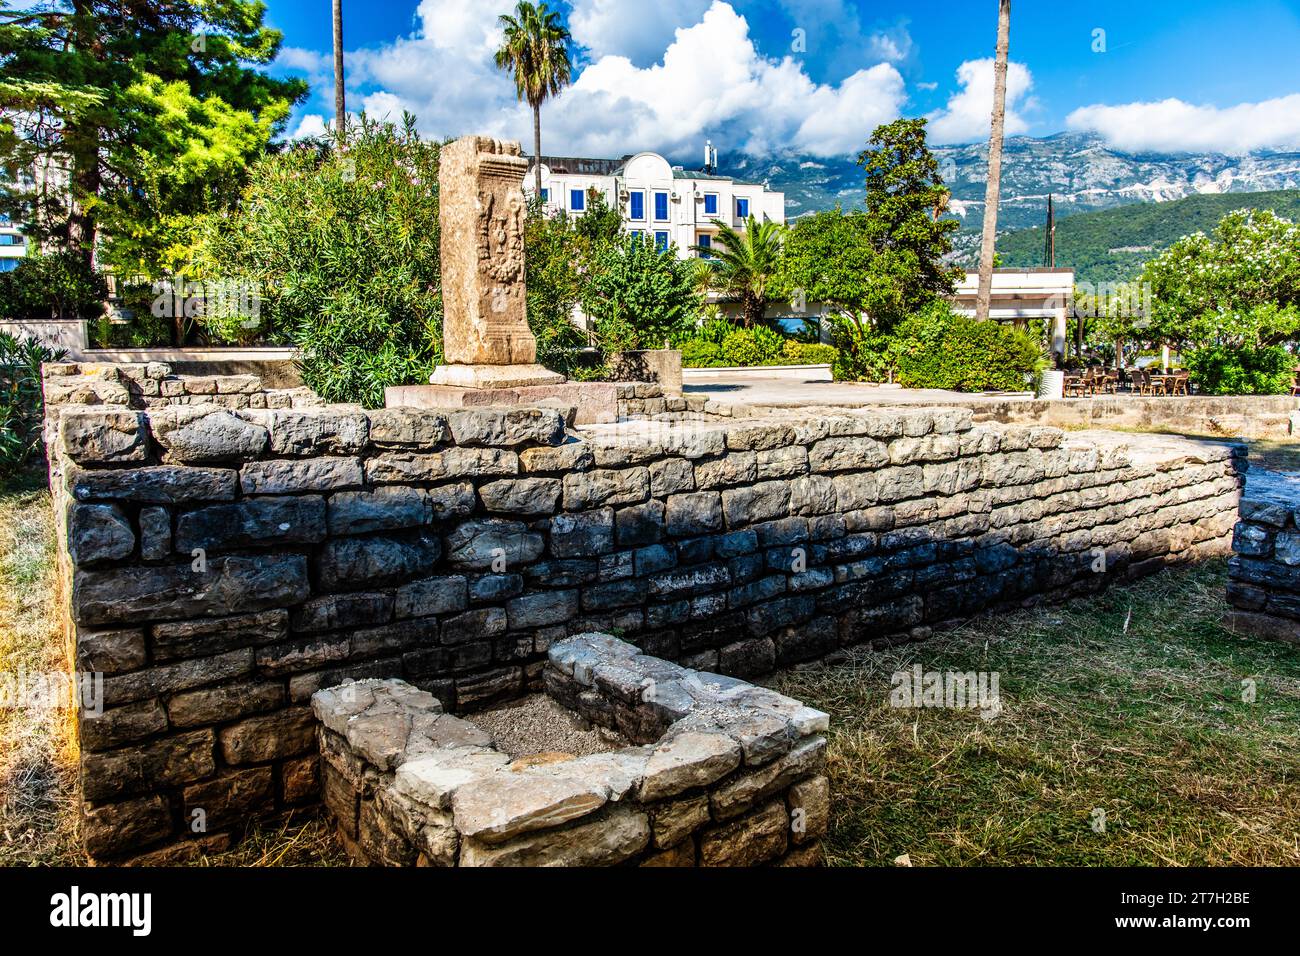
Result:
[[592, 166], [584, 166]]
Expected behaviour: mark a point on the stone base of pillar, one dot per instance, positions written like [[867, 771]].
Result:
[[595, 402], [494, 376]]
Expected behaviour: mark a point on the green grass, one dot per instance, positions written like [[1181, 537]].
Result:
[[1146, 724]]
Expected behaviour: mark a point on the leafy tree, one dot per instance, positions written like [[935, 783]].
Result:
[[152, 108], [905, 195], [1237, 286], [828, 258], [745, 265], [639, 296], [343, 246], [535, 49]]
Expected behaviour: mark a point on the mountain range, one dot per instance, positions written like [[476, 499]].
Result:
[[1077, 169], [1112, 245]]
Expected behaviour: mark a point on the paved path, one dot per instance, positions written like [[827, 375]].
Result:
[[792, 392]]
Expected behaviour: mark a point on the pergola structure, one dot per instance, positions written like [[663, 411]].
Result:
[[1021, 296]]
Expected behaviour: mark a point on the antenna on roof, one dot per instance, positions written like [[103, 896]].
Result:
[[1049, 247], [710, 155]]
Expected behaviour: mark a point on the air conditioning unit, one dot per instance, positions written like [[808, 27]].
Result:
[[676, 198]]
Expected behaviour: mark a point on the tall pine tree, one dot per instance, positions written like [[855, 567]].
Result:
[[139, 114]]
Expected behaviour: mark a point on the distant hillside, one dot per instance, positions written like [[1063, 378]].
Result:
[[1112, 245], [1078, 169]]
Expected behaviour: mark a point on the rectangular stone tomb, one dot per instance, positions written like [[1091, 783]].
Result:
[[716, 771]]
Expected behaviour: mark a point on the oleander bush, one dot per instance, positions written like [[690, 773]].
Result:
[[1242, 369], [938, 348]]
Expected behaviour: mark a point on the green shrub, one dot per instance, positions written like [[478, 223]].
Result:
[[21, 405], [861, 353], [344, 246], [1242, 370], [60, 285], [700, 354], [940, 349], [750, 347], [808, 353]]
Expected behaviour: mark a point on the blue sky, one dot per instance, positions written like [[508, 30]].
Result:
[[814, 76]]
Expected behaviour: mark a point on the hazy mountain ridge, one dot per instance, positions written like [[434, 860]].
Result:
[[1077, 169]]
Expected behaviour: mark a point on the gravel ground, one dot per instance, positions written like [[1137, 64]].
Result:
[[537, 724]]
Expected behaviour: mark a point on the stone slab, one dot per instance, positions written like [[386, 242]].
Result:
[[596, 402]]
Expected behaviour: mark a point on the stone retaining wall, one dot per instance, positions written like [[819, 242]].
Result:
[[1235, 416], [225, 564], [720, 773], [1264, 585]]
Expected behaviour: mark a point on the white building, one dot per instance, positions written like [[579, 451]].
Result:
[[13, 245], [669, 204]]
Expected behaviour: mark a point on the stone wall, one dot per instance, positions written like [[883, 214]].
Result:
[[719, 773], [1264, 585], [225, 564], [153, 385], [1234, 416]]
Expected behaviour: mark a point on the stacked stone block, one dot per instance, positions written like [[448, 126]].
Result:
[[721, 773], [1264, 574], [225, 564]]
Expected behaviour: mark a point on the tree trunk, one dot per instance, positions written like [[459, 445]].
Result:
[[83, 143], [340, 100], [81, 139], [994, 189], [537, 151]]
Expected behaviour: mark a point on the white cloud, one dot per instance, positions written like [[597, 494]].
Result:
[[713, 81], [1174, 126], [969, 112], [635, 29], [890, 46], [311, 125], [710, 81]]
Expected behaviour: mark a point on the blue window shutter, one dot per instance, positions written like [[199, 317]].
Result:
[[546, 195], [742, 208], [710, 204], [661, 206], [637, 202], [661, 241], [577, 200]]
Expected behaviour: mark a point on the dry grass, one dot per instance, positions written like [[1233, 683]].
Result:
[[1146, 724], [37, 753]]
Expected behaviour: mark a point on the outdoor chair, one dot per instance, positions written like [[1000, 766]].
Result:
[[1178, 384]]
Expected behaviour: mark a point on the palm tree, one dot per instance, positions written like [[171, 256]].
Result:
[[536, 48], [994, 188], [340, 106], [745, 264]]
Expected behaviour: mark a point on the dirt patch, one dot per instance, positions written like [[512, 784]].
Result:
[[538, 725]]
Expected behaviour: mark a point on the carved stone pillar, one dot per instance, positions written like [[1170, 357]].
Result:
[[486, 340]]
